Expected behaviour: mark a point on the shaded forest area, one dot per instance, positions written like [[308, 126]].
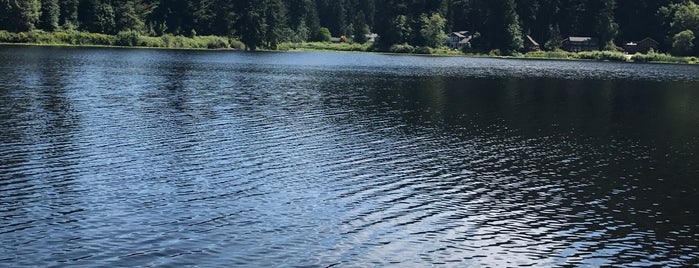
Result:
[[499, 24]]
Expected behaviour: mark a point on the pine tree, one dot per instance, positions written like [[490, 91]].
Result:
[[606, 28], [361, 29], [555, 39], [276, 23], [50, 12], [251, 23], [68, 17], [19, 15]]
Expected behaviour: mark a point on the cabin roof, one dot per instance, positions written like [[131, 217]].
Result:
[[648, 39], [461, 34], [532, 41], [579, 39]]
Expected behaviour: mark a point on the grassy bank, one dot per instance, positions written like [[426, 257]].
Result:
[[126, 39], [610, 56], [367, 47], [134, 39], [323, 46]]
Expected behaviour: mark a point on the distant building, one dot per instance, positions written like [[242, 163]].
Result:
[[372, 37], [530, 44], [643, 46], [341, 39], [459, 40], [577, 44]]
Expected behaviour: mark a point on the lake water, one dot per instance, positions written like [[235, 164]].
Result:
[[121, 157]]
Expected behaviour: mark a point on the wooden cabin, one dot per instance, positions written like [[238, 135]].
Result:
[[577, 44]]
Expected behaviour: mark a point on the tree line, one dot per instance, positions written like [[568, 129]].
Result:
[[499, 24]]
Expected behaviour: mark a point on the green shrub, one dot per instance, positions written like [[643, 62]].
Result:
[[423, 50], [149, 41], [8, 37], [323, 46], [601, 55], [212, 42], [236, 44], [127, 38], [661, 57], [401, 48]]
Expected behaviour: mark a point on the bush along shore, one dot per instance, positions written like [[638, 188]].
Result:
[[610, 56], [125, 39], [134, 39]]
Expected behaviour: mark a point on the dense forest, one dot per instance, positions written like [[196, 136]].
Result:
[[499, 24]]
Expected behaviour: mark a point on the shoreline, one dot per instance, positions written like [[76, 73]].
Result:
[[331, 47]]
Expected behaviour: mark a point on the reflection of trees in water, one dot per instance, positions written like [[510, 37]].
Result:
[[39, 128]]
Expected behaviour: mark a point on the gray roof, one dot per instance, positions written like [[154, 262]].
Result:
[[461, 34], [579, 39]]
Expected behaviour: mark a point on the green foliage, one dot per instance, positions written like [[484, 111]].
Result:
[[127, 38], [555, 40], [601, 56], [50, 12], [555, 54], [124, 38], [19, 15], [433, 30], [267, 23], [423, 50], [324, 35], [607, 29], [68, 14], [361, 29], [399, 31], [401, 48], [57, 38], [662, 58], [324, 46], [683, 43]]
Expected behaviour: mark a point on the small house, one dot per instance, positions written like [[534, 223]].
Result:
[[643, 46], [459, 40], [530, 44], [577, 44], [341, 39]]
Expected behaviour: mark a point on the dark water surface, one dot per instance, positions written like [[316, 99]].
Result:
[[117, 157]]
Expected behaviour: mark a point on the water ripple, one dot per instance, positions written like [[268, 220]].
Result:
[[173, 158]]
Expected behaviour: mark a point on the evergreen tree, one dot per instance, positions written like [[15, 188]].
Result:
[[19, 15], [555, 39], [332, 15], [276, 23], [251, 23], [68, 17], [361, 29], [128, 16], [502, 29], [606, 28], [175, 16], [50, 12]]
